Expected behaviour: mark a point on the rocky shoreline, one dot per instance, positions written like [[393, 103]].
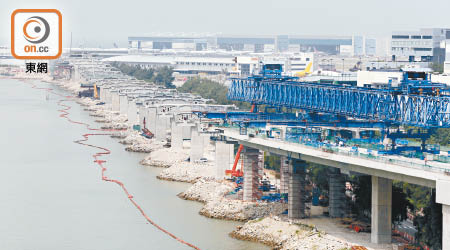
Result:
[[280, 234]]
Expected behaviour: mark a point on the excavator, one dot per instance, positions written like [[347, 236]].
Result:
[[305, 72]]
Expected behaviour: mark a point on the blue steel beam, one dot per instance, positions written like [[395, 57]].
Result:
[[356, 102], [288, 119]]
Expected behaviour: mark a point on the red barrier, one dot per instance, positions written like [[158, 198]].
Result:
[[64, 114]]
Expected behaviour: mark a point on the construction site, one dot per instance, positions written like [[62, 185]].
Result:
[[258, 166]]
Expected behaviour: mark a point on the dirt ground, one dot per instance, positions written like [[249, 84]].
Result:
[[335, 228]]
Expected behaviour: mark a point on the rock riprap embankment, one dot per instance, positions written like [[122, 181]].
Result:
[[165, 157], [284, 235]]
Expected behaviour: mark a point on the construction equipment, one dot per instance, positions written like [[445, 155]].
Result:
[[95, 91], [233, 171], [146, 133], [415, 101]]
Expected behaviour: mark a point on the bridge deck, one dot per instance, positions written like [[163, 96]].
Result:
[[397, 168]]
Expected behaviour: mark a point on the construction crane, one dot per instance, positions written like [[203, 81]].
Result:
[[414, 101], [233, 171]]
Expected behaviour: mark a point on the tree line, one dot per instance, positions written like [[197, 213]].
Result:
[[161, 76], [211, 90]]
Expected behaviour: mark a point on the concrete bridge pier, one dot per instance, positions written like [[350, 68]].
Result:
[[251, 178], [162, 124], [356, 134], [445, 227], [177, 136], [337, 193], [442, 197], [381, 225], [197, 142], [296, 193], [284, 175], [224, 158]]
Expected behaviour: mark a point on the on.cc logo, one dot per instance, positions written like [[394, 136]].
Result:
[[36, 34], [36, 29]]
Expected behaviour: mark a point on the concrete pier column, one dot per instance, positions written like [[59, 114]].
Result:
[[187, 131], [196, 146], [251, 179], [337, 193], [206, 141], [102, 94], [176, 136], [442, 197], [224, 158], [123, 104], [356, 134], [132, 112], [296, 202], [115, 101], [445, 227], [284, 175], [151, 119], [381, 210], [162, 124]]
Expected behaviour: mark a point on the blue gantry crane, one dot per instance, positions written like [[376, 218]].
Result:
[[414, 101]]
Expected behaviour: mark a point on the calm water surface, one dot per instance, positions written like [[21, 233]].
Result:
[[52, 196]]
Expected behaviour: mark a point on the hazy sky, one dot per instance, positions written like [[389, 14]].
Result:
[[103, 22]]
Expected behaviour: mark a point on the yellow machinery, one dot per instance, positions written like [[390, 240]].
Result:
[[95, 91]]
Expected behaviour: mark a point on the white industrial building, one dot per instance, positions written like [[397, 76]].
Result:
[[378, 78], [418, 46], [228, 65]]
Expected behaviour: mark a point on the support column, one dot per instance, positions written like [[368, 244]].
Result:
[[151, 119], [196, 147], [356, 134], [161, 127], [250, 172], [115, 101], [224, 157], [445, 227], [284, 175], [132, 113], [296, 202], [442, 197], [177, 136], [123, 104], [381, 210], [336, 194]]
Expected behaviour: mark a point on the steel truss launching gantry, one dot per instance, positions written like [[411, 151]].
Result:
[[413, 103]]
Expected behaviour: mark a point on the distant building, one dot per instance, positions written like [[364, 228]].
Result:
[[358, 45], [370, 47], [190, 63], [257, 44], [282, 43], [299, 61], [447, 52], [176, 43], [418, 46]]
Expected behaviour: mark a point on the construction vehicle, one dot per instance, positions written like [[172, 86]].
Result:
[[146, 133]]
